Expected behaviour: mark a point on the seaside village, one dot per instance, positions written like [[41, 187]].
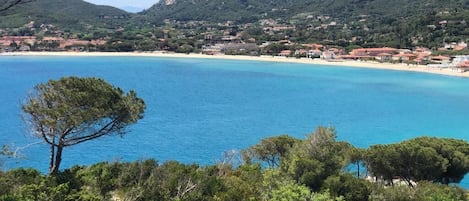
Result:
[[216, 45]]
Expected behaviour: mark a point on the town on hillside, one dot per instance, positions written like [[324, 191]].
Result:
[[267, 37]]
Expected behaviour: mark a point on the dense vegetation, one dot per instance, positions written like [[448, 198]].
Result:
[[277, 168], [66, 15], [252, 10], [344, 23], [366, 23]]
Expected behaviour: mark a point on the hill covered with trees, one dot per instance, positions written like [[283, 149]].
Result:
[[253, 10], [76, 15], [344, 23], [396, 23]]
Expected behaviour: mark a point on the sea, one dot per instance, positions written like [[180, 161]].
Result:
[[200, 109]]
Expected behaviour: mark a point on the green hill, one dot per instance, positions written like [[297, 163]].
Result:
[[64, 14], [346, 23], [366, 23], [222, 10]]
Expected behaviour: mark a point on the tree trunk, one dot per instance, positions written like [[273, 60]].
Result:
[[52, 156], [358, 169], [58, 159]]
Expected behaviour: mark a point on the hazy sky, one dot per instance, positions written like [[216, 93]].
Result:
[[124, 3]]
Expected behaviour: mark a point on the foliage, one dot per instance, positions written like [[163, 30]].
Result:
[[325, 196], [348, 186], [270, 150], [277, 186], [424, 158], [310, 170], [434, 192], [72, 15], [423, 191], [73, 110], [243, 183], [316, 158]]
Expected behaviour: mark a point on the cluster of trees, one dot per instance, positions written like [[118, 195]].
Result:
[[277, 168], [73, 110], [422, 159]]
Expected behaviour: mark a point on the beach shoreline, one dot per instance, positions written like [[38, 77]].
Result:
[[345, 63]]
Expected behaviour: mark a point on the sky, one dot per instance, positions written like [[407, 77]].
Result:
[[141, 4]]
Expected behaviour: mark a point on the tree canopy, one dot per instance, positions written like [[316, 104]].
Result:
[[73, 110], [310, 170], [420, 159], [317, 157], [270, 150]]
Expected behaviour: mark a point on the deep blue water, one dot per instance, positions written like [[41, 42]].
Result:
[[198, 108]]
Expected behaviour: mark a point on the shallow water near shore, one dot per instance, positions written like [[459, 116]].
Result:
[[198, 108]]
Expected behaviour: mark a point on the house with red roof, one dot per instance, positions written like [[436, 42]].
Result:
[[370, 52], [440, 59]]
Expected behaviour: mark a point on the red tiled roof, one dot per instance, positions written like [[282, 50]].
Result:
[[376, 49]]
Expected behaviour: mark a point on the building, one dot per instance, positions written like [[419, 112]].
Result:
[[404, 57], [371, 52]]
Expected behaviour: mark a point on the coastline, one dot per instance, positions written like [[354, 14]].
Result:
[[346, 63]]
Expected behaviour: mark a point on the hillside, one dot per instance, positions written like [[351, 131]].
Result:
[[251, 10], [347, 23], [344, 23], [64, 14]]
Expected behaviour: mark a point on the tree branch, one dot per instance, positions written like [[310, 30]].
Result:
[[41, 129], [185, 188], [16, 153], [103, 131]]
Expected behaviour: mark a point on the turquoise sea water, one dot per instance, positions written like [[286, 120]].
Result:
[[198, 108]]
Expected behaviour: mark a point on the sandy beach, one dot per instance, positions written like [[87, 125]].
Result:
[[348, 63]]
